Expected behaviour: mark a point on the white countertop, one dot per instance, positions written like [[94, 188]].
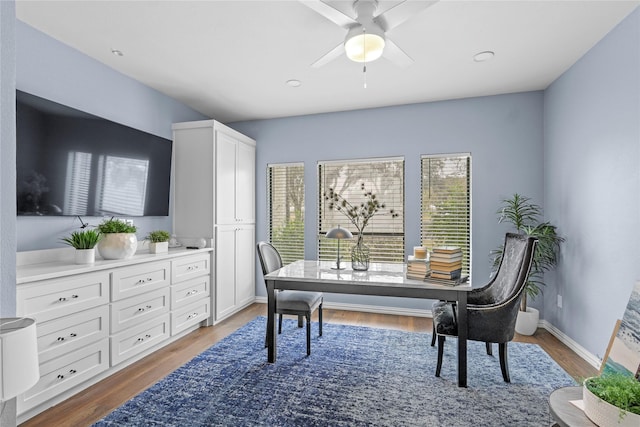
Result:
[[64, 265]]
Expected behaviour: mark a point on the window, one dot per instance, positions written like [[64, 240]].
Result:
[[384, 235], [285, 192], [446, 203]]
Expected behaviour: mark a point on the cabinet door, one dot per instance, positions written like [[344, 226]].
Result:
[[245, 264], [225, 270], [245, 183], [225, 179]]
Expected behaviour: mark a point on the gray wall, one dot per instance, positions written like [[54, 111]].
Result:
[[502, 133], [52, 70], [592, 185], [7, 178]]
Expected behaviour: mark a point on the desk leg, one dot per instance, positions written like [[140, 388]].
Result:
[[462, 339], [271, 322]]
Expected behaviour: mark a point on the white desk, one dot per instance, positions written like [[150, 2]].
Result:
[[381, 279]]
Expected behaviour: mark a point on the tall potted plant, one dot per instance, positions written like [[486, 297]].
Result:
[[119, 240], [525, 217]]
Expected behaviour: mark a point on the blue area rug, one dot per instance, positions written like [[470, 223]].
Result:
[[355, 376]]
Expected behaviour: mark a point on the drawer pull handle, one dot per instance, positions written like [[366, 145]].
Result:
[[60, 376], [71, 335], [72, 371], [145, 337], [62, 299], [192, 315], [193, 292], [141, 281], [144, 308]]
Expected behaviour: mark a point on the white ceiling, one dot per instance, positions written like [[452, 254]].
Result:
[[230, 59]]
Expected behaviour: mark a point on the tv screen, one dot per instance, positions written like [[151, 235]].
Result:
[[73, 163]]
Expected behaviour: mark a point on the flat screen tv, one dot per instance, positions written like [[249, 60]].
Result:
[[73, 163]]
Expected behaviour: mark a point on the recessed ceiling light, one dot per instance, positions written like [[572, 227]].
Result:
[[117, 52], [294, 83], [483, 56]]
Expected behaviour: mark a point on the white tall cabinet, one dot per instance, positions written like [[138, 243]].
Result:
[[215, 198]]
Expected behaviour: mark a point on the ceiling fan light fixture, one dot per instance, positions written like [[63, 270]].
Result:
[[363, 46]]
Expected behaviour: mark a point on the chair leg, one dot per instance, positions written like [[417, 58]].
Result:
[[489, 349], [320, 318], [308, 316], [441, 339], [299, 321], [433, 334], [502, 348], [280, 324]]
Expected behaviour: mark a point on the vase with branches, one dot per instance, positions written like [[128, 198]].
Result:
[[525, 216], [359, 214]]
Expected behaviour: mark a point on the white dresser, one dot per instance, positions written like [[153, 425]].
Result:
[[93, 320]]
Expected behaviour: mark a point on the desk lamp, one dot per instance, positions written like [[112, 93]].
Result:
[[338, 233]]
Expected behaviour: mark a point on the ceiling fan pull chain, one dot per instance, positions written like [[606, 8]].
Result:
[[364, 48]]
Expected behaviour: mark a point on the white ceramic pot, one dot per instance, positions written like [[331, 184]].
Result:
[[85, 256], [118, 245], [605, 414], [158, 247], [527, 322]]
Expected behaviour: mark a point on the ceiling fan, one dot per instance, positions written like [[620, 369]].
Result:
[[366, 38]]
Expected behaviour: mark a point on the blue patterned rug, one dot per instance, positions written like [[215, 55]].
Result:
[[355, 376]]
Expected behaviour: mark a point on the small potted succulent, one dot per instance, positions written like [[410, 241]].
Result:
[[612, 400], [119, 240], [158, 241], [84, 242]]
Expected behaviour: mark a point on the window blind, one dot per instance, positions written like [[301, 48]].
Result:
[[446, 203], [285, 190], [384, 234]]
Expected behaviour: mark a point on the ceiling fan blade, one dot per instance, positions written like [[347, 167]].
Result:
[[330, 56], [401, 12], [329, 12], [396, 55]]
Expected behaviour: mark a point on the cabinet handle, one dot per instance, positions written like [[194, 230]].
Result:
[[192, 315], [72, 371], [60, 376], [62, 299], [145, 337], [71, 335], [141, 281], [192, 267], [193, 292], [144, 308]]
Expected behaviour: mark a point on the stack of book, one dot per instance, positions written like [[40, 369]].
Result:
[[417, 268], [446, 263]]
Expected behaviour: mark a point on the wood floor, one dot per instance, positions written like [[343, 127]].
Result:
[[97, 401]]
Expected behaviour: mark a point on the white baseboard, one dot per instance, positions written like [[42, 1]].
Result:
[[566, 340]]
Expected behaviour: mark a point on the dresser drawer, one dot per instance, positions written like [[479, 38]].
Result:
[[137, 339], [129, 281], [187, 267], [187, 292], [135, 310], [48, 299], [64, 372], [65, 334], [190, 315]]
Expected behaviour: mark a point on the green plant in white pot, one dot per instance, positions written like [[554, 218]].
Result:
[[119, 240], [612, 400], [84, 242], [158, 241], [525, 217]]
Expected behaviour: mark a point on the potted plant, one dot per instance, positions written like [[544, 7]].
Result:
[[612, 400], [359, 214], [84, 242], [118, 239], [524, 216], [158, 241]]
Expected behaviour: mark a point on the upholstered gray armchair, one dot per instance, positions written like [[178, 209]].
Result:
[[297, 303], [493, 308]]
